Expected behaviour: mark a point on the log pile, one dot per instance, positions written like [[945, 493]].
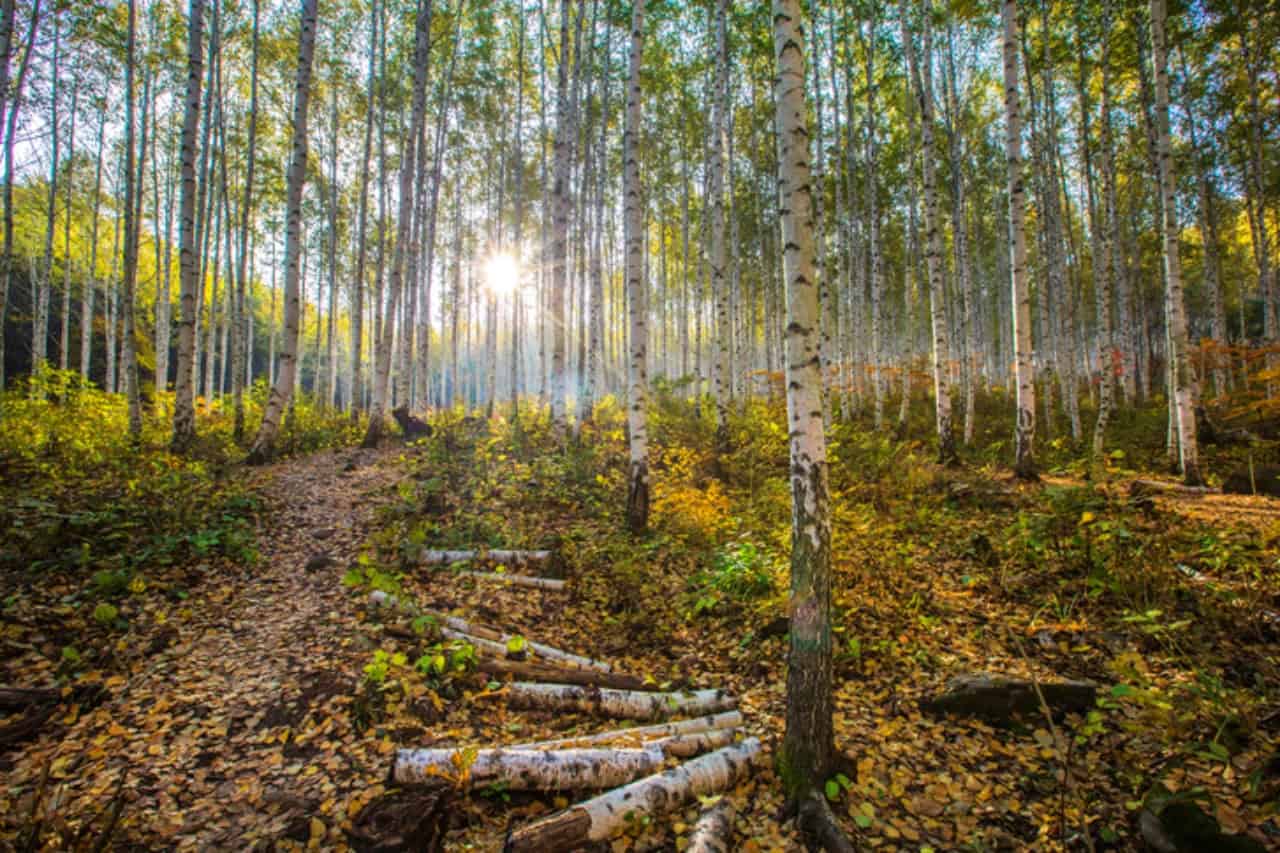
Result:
[[650, 769]]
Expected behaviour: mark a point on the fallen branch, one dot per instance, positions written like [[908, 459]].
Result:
[[529, 770], [12, 698], [600, 817], [470, 630], [487, 639], [526, 670], [639, 734], [1138, 487], [816, 820], [549, 584], [505, 557], [713, 833], [622, 704]]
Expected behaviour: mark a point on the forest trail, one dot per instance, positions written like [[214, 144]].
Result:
[[228, 736]]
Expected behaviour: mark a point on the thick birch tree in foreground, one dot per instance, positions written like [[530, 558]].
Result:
[[637, 297], [184, 414], [808, 746], [1025, 431], [1183, 380], [264, 444]]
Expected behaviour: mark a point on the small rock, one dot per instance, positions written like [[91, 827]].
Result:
[[318, 562], [776, 628]]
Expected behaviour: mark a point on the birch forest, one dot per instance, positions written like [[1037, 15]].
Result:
[[553, 425]]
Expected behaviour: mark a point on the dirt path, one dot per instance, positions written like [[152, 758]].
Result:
[[224, 739]]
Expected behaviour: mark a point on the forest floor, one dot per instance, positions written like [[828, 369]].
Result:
[[260, 705]]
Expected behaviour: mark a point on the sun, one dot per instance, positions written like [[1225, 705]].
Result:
[[502, 273]]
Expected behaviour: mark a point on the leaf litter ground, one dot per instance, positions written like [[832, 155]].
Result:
[[252, 725]]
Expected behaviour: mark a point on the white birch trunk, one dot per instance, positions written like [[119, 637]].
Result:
[[601, 817], [1180, 362], [560, 209], [264, 444], [619, 704], [713, 833], [637, 285], [528, 770], [638, 735], [716, 190], [1025, 429], [809, 743], [496, 555], [923, 85]]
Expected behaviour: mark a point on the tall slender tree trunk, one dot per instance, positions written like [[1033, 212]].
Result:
[[131, 229], [64, 328], [240, 334], [362, 226], [421, 55], [960, 232], [923, 84], [718, 259], [633, 226], [90, 287], [1024, 373], [1180, 362], [873, 230], [560, 206], [808, 746], [1100, 246], [282, 391], [43, 283]]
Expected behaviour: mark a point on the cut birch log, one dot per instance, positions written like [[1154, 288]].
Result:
[[530, 770], [713, 833], [687, 746], [548, 584], [601, 817], [527, 670], [622, 704], [431, 557], [639, 734], [469, 629]]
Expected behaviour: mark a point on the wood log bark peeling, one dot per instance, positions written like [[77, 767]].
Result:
[[601, 817], [637, 734], [622, 704]]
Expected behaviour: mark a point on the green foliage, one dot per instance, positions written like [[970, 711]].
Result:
[[739, 574], [366, 575], [105, 614], [77, 493]]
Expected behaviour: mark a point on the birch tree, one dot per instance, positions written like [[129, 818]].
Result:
[[1175, 312], [184, 416], [716, 191], [263, 448], [1025, 429], [808, 746], [421, 56], [637, 298]]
